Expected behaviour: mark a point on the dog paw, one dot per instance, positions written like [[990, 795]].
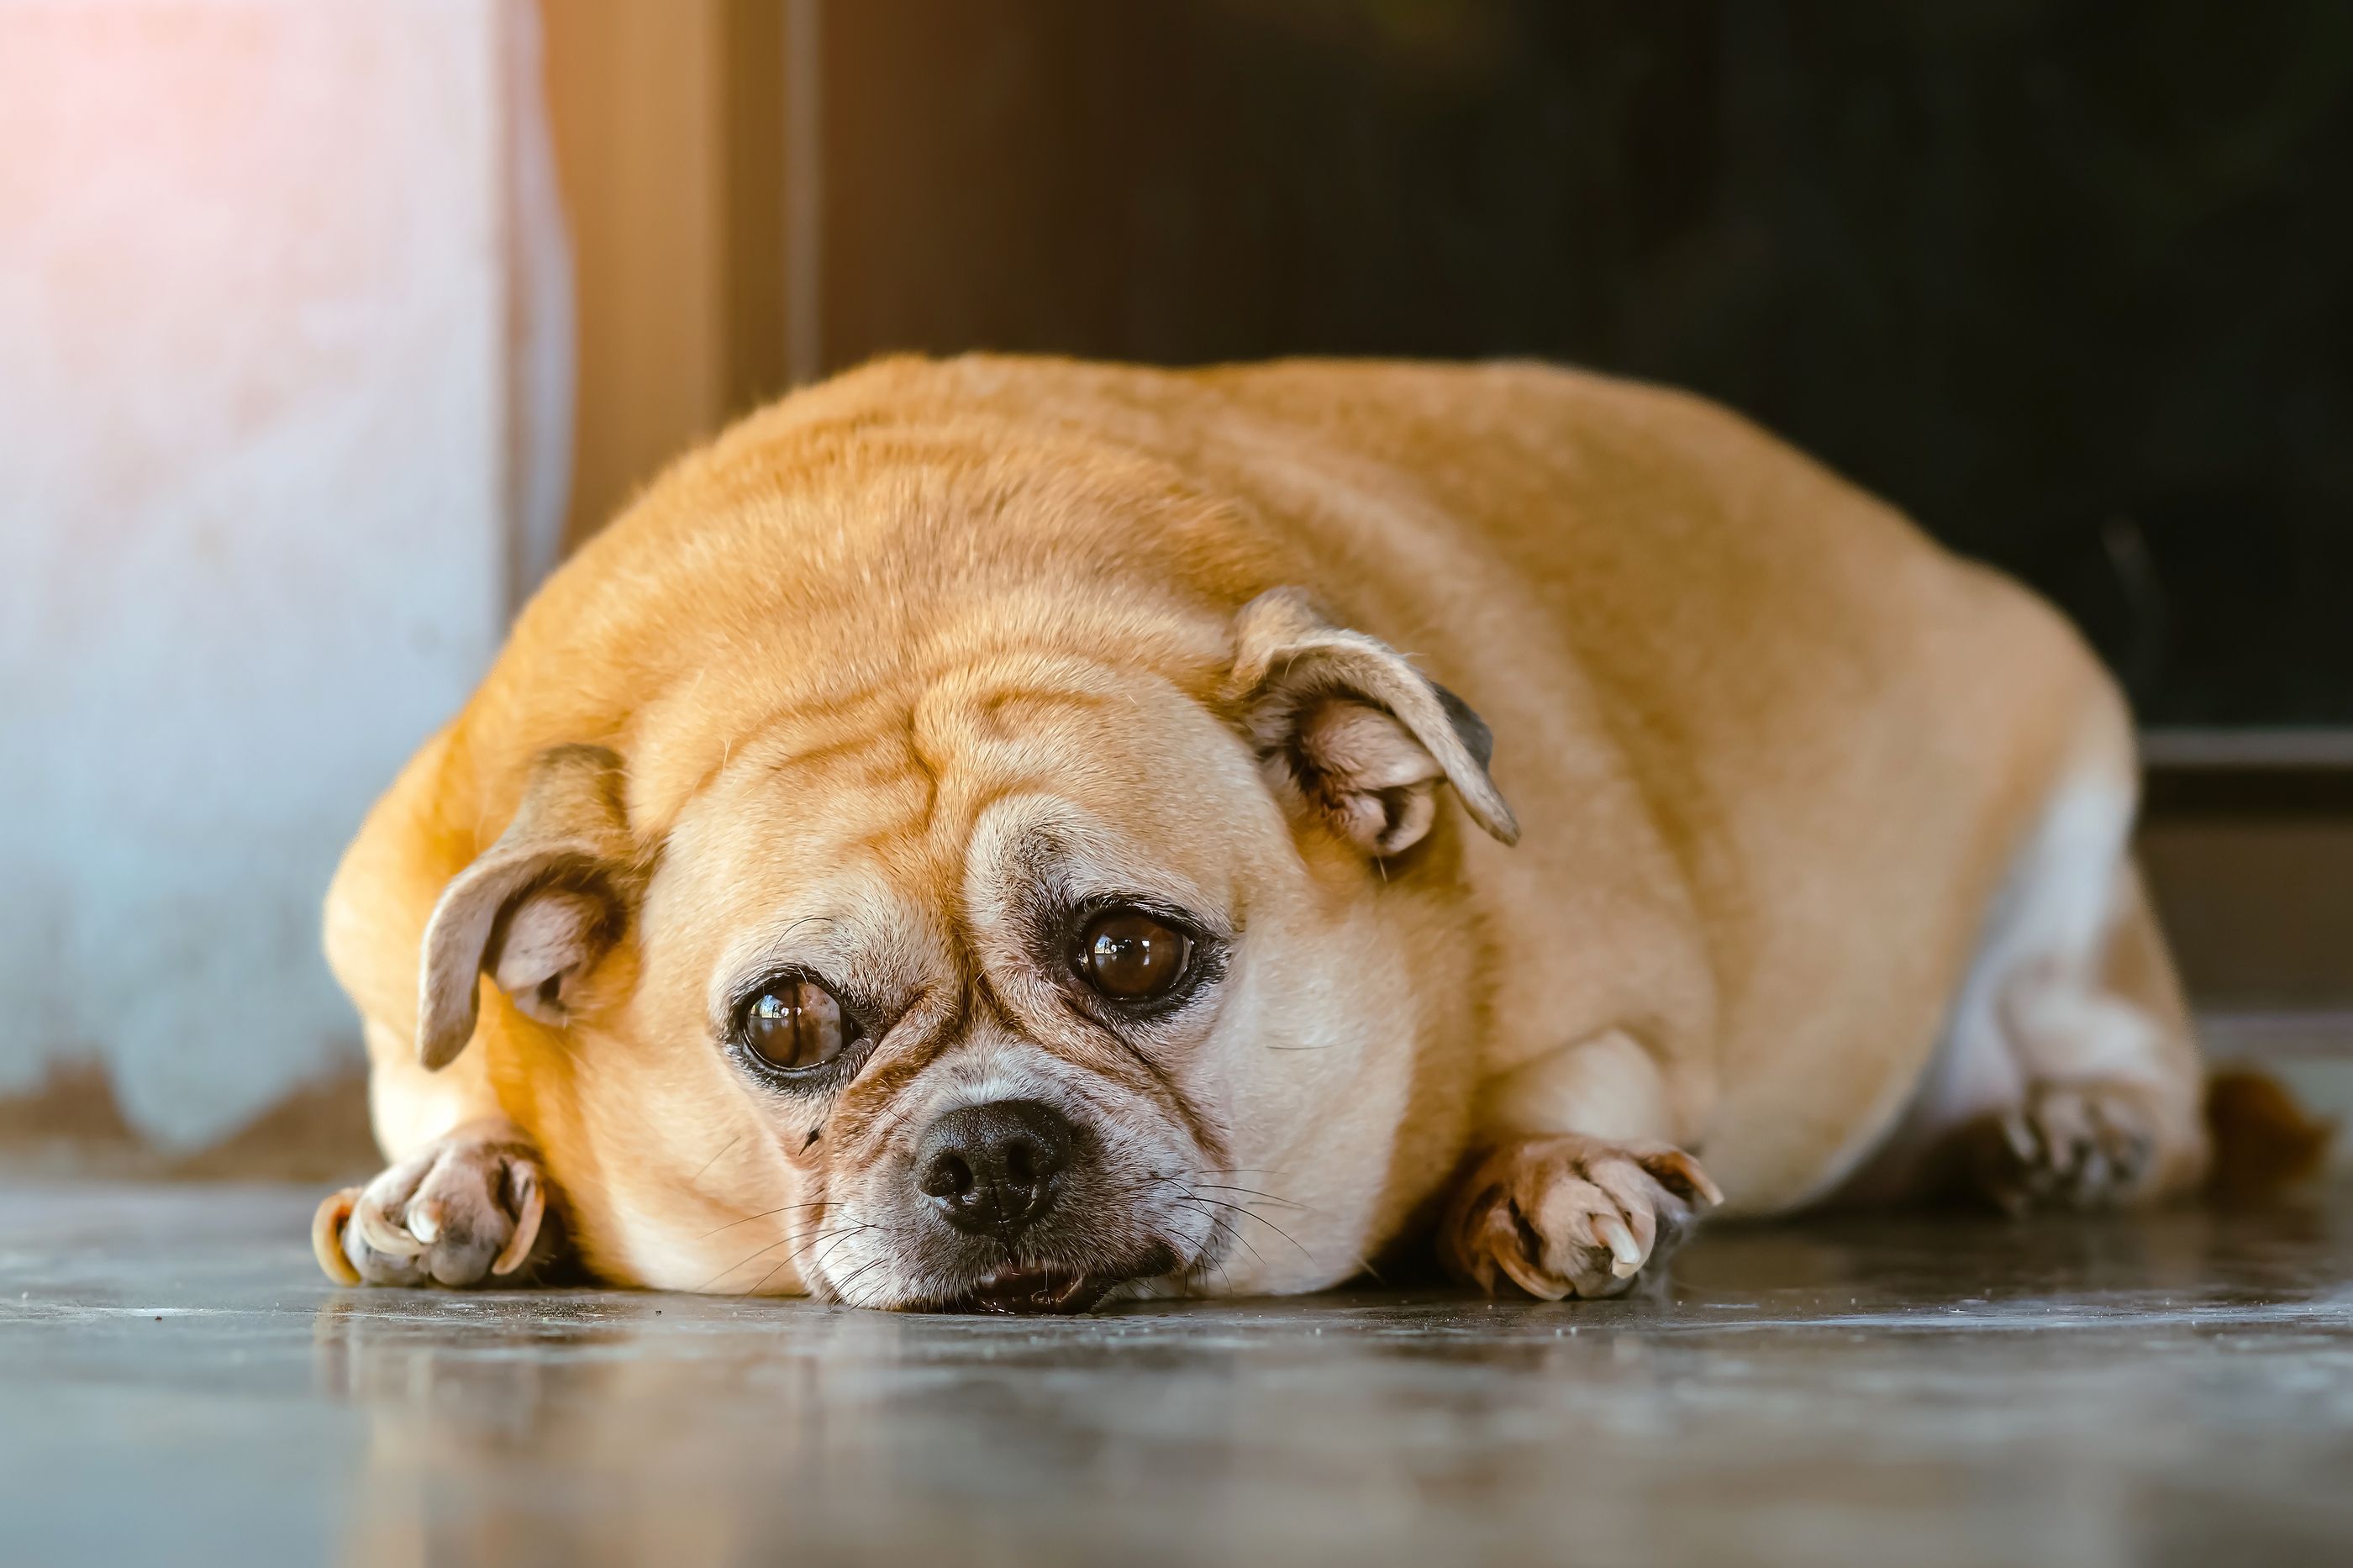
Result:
[[1574, 1216], [2067, 1145], [471, 1209]]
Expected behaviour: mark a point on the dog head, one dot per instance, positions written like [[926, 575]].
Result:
[[1030, 977]]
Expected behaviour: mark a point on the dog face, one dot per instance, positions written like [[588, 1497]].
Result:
[[1046, 978]]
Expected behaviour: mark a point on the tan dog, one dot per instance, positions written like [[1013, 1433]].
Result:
[[991, 833]]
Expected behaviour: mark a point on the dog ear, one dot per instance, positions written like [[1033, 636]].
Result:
[[1345, 724], [537, 909]]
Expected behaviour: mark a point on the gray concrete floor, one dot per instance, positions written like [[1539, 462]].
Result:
[[177, 1385]]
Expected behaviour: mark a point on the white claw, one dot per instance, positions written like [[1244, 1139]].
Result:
[[534, 1208], [424, 1222], [379, 1233], [1626, 1253]]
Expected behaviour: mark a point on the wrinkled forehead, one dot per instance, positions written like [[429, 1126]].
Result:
[[930, 812]]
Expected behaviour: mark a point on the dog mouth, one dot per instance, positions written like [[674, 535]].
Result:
[[1027, 1290], [1031, 1290]]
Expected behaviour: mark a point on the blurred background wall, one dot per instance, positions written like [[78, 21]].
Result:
[[282, 442], [308, 362]]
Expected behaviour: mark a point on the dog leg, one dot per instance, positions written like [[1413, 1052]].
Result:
[[1579, 1193], [2109, 1113], [466, 1199], [467, 1209], [2090, 1089]]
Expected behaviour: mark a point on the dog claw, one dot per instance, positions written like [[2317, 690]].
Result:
[[517, 1251], [327, 1235], [378, 1230], [1626, 1254]]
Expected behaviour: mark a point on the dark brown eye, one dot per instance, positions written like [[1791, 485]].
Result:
[[795, 1025], [1129, 956]]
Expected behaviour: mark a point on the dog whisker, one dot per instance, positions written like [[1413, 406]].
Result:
[[741, 1262], [715, 1157], [764, 1214], [1227, 1228], [1245, 1212], [805, 1238], [754, 1287], [1207, 1204], [828, 1240], [841, 1291], [1252, 1191], [1208, 1208], [831, 1238]]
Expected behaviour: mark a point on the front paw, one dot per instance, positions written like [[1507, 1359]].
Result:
[[471, 1209], [1571, 1216]]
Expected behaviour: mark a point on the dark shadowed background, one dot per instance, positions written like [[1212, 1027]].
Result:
[[2068, 282]]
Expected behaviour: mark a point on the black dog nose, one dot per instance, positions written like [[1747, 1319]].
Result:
[[989, 1167]]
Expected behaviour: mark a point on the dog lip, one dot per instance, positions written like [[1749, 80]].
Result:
[[1027, 1288]]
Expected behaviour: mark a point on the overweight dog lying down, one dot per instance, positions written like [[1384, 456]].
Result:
[[1006, 834]]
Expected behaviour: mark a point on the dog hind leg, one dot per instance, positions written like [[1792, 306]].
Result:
[[2110, 1109], [2070, 1074]]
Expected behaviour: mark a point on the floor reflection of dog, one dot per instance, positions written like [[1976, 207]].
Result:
[[732, 1442], [485, 1451]]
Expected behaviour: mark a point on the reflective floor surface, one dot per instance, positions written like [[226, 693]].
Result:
[[177, 1385]]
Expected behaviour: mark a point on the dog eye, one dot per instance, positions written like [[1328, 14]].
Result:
[[795, 1025], [1128, 956]]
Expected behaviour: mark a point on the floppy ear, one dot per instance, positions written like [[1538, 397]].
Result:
[[537, 909], [1344, 723]]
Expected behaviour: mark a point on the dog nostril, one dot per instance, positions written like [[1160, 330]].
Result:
[[947, 1176], [991, 1168]]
